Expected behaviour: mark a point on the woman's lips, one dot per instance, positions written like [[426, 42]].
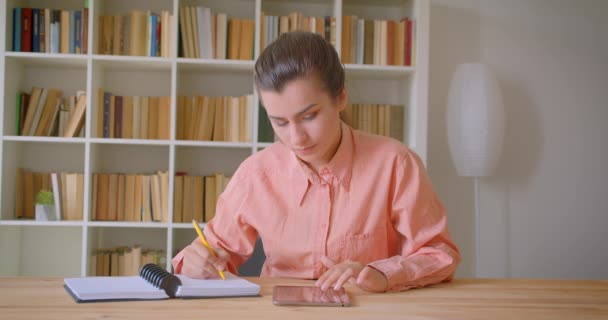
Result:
[[305, 150]]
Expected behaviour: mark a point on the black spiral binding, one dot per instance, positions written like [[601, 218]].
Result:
[[160, 278]]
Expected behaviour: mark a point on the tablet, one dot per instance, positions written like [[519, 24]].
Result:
[[309, 296]]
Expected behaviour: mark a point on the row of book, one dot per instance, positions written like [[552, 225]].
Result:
[[124, 261], [381, 119], [44, 112], [67, 189], [122, 197], [208, 118], [133, 117], [50, 30], [364, 41], [208, 35], [137, 33], [195, 197], [130, 197], [274, 26], [378, 42]]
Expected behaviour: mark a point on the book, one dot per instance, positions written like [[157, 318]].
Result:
[[56, 194], [137, 33], [17, 29], [155, 283], [76, 121]]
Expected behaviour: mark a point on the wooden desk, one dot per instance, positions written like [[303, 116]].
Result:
[[45, 298]]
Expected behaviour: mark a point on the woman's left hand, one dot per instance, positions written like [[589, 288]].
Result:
[[367, 278]]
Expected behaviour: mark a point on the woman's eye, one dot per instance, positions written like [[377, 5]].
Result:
[[280, 123], [310, 116]]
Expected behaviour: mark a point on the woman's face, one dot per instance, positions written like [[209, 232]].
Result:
[[306, 119]]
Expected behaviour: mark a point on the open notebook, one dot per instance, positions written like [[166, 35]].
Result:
[[155, 283]]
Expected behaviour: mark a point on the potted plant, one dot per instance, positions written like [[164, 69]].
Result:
[[45, 208]]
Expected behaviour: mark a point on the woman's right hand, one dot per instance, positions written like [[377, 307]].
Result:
[[199, 263]]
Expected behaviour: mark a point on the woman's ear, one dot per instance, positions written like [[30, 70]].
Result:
[[342, 100]]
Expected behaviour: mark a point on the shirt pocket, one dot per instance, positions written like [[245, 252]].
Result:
[[366, 247]]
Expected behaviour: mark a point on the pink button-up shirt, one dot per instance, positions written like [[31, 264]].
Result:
[[372, 203]]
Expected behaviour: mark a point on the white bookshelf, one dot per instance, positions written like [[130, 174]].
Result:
[[63, 248]]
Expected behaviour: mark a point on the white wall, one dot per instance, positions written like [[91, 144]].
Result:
[[545, 211]]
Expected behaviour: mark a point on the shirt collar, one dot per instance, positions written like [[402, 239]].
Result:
[[340, 166]]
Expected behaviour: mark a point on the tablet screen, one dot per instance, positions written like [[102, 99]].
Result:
[[309, 296]]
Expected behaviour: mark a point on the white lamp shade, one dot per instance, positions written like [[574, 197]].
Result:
[[475, 120]]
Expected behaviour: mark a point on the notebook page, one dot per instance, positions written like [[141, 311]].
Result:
[[109, 288], [231, 287]]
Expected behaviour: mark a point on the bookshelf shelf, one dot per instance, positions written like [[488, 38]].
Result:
[[132, 63], [116, 224], [69, 244], [236, 145], [147, 142], [187, 226], [44, 139], [48, 59], [41, 223], [362, 70], [215, 65]]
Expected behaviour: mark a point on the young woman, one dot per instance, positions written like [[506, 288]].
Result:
[[329, 202]]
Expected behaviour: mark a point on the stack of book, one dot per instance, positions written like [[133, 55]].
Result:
[[215, 118], [67, 188], [195, 197], [44, 112], [130, 197], [124, 261], [380, 119], [210, 35], [379, 42], [273, 26], [136, 34], [133, 117], [50, 30]]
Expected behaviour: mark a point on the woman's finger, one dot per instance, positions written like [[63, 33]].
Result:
[[331, 279], [348, 273], [222, 258], [322, 278]]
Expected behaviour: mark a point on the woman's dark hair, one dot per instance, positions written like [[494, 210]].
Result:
[[295, 55]]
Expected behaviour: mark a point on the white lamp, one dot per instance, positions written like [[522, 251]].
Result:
[[475, 123]]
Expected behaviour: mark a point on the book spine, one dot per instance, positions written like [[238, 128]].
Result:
[[17, 29], [106, 114], [26, 29], [18, 115], [77, 32], [118, 117], [35, 30], [72, 31], [42, 32]]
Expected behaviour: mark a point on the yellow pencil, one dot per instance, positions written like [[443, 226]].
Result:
[[206, 244]]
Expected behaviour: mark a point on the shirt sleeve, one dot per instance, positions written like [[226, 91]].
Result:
[[229, 228], [428, 254]]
